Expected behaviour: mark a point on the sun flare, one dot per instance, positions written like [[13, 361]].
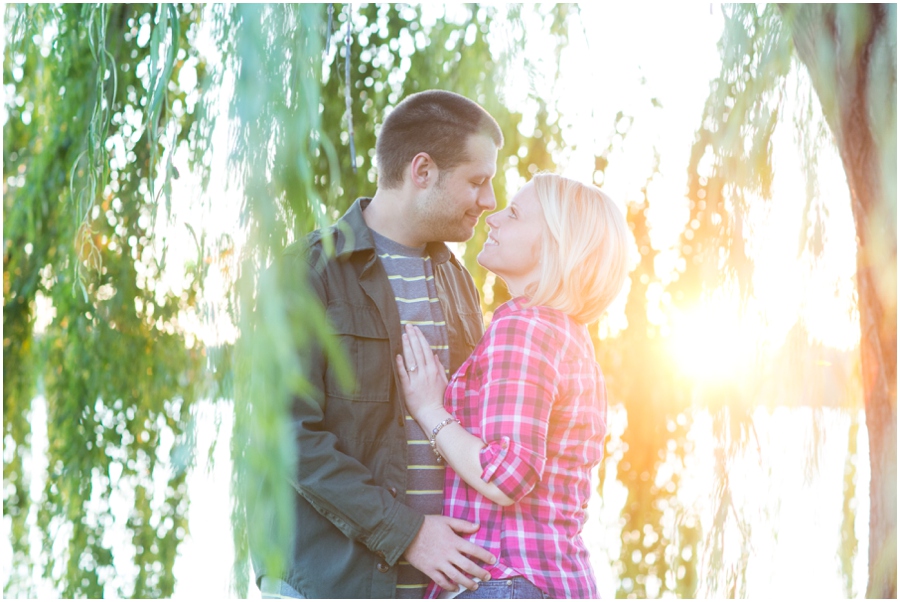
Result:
[[713, 342]]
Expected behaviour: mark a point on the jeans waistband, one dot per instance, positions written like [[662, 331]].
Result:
[[510, 588]]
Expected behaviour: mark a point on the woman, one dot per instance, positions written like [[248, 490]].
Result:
[[522, 422]]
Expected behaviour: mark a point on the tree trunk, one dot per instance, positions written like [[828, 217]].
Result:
[[840, 46]]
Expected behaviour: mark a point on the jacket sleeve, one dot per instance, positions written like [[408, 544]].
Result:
[[336, 484]]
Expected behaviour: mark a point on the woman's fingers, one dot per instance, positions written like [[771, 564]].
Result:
[[424, 346], [414, 338], [420, 359], [401, 372], [409, 354]]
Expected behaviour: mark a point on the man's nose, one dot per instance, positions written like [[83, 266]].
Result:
[[487, 201]]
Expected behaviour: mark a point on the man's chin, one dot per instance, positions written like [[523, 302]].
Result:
[[460, 236]]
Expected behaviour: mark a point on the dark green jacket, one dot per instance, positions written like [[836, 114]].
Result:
[[352, 523]]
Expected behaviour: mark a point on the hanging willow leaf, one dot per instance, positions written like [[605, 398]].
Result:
[[847, 55], [117, 377], [117, 371]]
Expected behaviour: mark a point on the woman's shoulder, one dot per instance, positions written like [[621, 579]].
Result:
[[516, 316], [517, 311]]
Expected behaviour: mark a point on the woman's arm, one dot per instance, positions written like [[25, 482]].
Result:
[[423, 386], [460, 449]]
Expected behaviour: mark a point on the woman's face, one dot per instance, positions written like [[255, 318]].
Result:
[[512, 249]]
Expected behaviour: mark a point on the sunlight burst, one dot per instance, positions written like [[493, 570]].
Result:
[[714, 342]]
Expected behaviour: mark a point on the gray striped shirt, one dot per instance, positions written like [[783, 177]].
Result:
[[411, 276]]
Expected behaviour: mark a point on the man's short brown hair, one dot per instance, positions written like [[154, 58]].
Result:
[[436, 122]]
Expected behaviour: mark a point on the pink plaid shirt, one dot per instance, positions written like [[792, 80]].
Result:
[[534, 393]]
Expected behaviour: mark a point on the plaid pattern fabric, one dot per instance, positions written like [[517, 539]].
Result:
[[534, 393]]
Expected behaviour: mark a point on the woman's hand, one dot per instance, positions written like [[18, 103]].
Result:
[[422, 377], [423, 381]]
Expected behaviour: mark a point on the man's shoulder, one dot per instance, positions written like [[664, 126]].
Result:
[[346, 236], [453, 267], [311, 246]]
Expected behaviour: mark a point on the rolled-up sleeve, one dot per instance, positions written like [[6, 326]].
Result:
[[520, 379]]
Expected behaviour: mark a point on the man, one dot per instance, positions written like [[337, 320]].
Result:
[[369, 486]]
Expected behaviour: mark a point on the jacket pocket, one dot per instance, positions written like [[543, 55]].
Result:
[[365, 340]]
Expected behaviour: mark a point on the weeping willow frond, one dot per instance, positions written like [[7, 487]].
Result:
[[277, 137], [110, 365], [842, 61], [106, 98]]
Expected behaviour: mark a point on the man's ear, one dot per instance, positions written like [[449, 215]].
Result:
[[422, 170]]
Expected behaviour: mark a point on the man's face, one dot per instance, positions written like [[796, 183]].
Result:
[[451, 209]]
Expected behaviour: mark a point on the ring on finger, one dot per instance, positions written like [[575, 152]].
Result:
[[413, 368]]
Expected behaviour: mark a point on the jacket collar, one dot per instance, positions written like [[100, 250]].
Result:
[[354, 236]]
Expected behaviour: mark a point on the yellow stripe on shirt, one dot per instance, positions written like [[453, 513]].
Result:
[[410, 278], [422, 323]]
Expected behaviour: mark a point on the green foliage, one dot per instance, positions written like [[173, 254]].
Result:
[[732, 154], [95, 117], [730, 167], [278, 136], [113, 363], [93, 126]]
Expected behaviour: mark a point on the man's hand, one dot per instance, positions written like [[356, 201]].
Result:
[[441, 554]]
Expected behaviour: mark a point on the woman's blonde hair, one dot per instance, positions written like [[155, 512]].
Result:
[[583, 251]]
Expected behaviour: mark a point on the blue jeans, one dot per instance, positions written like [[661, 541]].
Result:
[[505, 589], [277, 589]]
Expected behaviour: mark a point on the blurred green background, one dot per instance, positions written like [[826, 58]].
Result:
[[156, 158]]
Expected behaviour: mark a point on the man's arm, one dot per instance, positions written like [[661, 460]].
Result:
[[336, 484], [343, 490]]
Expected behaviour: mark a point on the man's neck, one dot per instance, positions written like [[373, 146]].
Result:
[[388, 214]]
